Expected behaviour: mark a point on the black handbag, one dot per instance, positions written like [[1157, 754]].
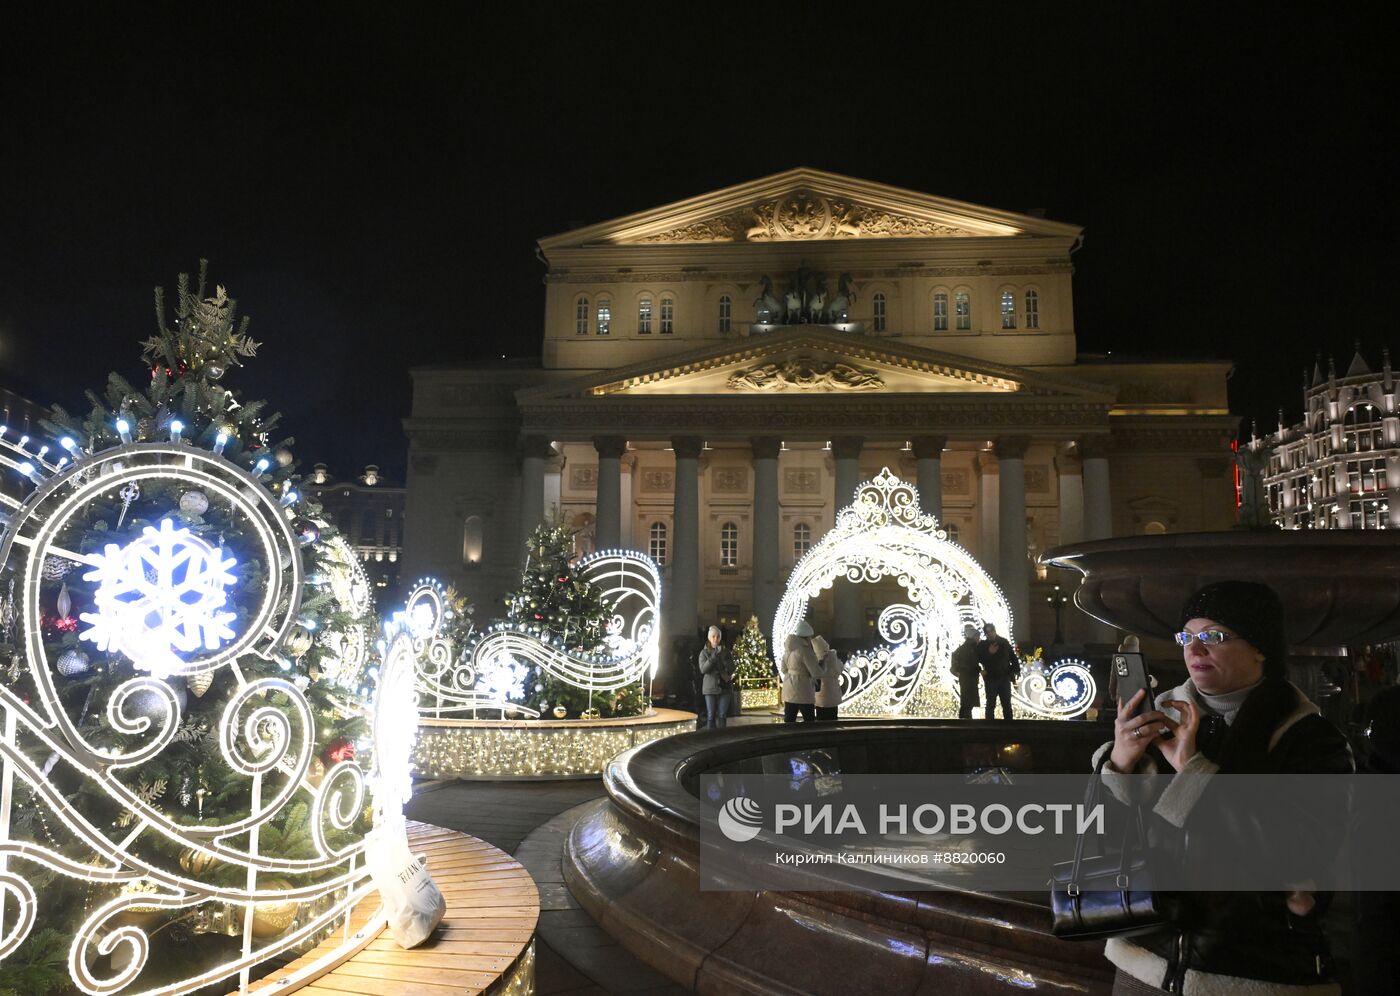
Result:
[[1108, 894]]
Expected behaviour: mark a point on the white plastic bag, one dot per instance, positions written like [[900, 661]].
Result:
[[411, 898]]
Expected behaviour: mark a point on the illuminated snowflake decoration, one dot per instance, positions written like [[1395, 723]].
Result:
[[161, 595], [505, 679]]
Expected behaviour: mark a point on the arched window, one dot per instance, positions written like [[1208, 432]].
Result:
[[668, 316], [581, 317], [729, 545], [879, 302], [726, 307], [1008, 310], [801, 540], [962, 305], [1032, 309], [940, 312], [471, 540], [604, 316], [644, 316], [1362, 425], [657, 543]]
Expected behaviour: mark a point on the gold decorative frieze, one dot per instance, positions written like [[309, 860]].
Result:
[[657, 481], [956, 482], [801, 482], [583, 477], [1037, 480], [805, 374], [803, 216], [731, 480]]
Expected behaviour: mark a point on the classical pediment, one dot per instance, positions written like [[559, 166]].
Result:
[[806, 205], [813, 360]]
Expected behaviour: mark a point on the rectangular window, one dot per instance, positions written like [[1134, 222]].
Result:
[[1032, 310], [1008, 310], [604, 317], [940, 312], [963, 307], [725, 306], [644, 317], [668, 312], [729, 545], [581, 317]]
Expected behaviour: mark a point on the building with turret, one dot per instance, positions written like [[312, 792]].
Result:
[[1339, 467]]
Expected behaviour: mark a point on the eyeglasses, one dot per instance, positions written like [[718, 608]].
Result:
[[1208, 637]]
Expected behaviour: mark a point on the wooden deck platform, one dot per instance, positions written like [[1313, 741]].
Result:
[[484, 945]]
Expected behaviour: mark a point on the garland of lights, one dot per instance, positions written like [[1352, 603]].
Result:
[[882, 533], [488, 673], [161, 602]]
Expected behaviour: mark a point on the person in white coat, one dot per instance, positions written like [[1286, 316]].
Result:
[[828, 697], [800, 672]]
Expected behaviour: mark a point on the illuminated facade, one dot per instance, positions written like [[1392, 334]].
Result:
[[368, 511], [718, 374], [1339, 468]]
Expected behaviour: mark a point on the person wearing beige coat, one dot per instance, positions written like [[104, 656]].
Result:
[[800, 671], [828, 697]]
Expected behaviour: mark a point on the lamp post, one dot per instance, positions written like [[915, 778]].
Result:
[[1057, 600]]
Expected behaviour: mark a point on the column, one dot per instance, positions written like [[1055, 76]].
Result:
[[846, 451], [534, 451], [989, 545], [766, 583], [928, 454], [1098, 503], [1014, 568], [609, 529], [684, 594], [1071, 499]]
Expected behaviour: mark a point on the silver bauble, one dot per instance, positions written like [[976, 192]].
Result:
[[151, 705], [283, 456], [215, 370], [298, 641], [194, 503], [64, 602], [72, 663]]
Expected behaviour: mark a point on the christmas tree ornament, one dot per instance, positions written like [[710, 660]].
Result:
[[64, 602], [273, 917], [215, 371], [72, 663], [307, 531], [298, 641], [283, 456], [128, 494], [194, 503], [56, 568], [200, 682], [560, 712], [197, 863]]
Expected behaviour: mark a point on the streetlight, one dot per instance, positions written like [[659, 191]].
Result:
[[1057, 601]]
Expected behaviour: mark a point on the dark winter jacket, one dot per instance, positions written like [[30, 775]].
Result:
[[1232, 942], [996, 664]]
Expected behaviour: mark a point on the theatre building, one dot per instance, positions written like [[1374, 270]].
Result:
[[717, 375]]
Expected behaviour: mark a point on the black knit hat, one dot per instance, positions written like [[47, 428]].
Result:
[[1252, 610]]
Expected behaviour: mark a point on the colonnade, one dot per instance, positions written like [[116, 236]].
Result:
[[1085, 502]]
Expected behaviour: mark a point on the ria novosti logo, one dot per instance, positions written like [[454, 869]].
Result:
[[740, 819]]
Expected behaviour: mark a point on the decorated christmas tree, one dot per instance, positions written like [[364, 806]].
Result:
[[559, 606], [183, 642], [753, 668]]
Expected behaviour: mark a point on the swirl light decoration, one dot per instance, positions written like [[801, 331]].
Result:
[[348, 651], [881, 534], [164, 604], [484, 675]]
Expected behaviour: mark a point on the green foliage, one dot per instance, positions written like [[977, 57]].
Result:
[[37, 967]]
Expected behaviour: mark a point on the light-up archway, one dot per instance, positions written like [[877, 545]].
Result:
[[883, 534]]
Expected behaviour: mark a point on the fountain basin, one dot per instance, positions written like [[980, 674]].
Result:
[[1339, 588]]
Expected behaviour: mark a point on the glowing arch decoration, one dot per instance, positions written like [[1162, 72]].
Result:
[[347, 650], [166, 603], [883, 534], [488, 672]]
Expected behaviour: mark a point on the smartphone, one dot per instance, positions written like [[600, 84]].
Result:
[[1132, 675]]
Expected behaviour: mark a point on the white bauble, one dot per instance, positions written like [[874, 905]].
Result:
[[72, 663], [194, 503]]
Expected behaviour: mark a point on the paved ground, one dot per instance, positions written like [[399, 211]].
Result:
[[530, 820]]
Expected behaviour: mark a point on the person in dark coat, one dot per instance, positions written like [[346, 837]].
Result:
[[994, 654], [1235, 714], [966, 669], [1376, 957], [717, 679]]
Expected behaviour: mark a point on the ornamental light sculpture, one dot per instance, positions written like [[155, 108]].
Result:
[[166, 603], [486, 672], [883, 534]]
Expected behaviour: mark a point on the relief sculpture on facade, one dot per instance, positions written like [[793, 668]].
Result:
[[805, 216], [805, 374]]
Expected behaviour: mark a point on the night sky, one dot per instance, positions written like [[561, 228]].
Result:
[[371, 187]]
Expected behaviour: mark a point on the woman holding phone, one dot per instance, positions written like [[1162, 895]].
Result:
[[1235, 714]]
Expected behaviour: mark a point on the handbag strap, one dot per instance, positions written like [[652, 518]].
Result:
[[1136, 822]]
